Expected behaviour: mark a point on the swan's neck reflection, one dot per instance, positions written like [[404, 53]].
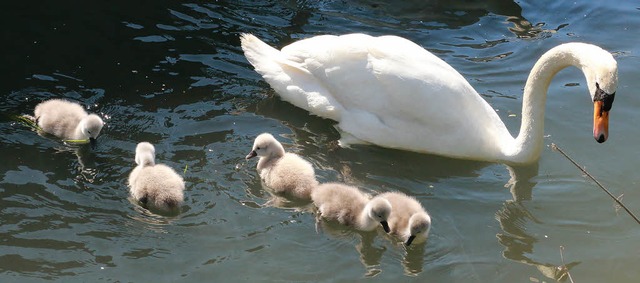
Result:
[[513, 219]]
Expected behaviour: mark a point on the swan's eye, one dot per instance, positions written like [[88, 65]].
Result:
[[258, 148], [606, 98]]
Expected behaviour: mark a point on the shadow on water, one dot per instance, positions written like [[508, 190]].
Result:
[[458, 13], [452, 13]]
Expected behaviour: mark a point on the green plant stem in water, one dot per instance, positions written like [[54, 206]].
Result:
[[77, 141], [31, 123], [27, 121]]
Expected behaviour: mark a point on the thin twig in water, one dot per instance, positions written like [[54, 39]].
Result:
[[555, 147], [564, 265], [617, 206]]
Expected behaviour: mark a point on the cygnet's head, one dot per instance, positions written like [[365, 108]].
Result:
[[91, 126], [419, 226], [145, 154], [266, 145], [379, 210]]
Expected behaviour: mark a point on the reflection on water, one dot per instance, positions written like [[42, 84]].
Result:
[[371, 251], [514, 218], [370, 255]]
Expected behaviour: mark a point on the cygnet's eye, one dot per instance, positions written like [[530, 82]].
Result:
[[257, 148], [89, 132]]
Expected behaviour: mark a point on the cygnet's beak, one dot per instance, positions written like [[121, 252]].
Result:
[[385, 226], [252, 154], [600, 122], [410, 240]]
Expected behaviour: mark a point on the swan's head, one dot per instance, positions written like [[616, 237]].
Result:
[[266, 145], [601, 72], [91, 127], [602, 102], [419, 226], [379, 210], [145, 154]]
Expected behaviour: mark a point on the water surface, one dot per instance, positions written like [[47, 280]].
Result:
[[174, 75]]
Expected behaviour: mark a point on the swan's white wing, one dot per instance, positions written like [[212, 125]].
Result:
[[395, 94]]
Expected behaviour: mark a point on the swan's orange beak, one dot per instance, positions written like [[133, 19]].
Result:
[[600, 122]]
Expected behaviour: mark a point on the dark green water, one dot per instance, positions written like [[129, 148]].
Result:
[[174, 75]]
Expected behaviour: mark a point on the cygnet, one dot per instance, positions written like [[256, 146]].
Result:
[[155, 184], [408, 220], [283, 172], [350, 206], [67, 120]]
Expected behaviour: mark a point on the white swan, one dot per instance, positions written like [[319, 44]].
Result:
[[351, 207], [154, 184], [67, 120], [393, 93], [408, 219], [285, 173]]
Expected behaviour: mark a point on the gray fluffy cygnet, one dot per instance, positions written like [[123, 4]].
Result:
[[350, 206], [408, 220], [67, 120], [156, 185], [283, 172]]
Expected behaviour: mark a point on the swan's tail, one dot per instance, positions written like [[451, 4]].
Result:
[[263, 57], [289, 78]]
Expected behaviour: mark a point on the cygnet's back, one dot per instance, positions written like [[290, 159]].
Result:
[[67, 120], [350, 206], [153, 184], [408, 220], [285, 173]]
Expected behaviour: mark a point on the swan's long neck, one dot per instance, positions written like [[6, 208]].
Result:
[[364, 221], [528, 145], [145, 159], [79, 132], [275, 154]]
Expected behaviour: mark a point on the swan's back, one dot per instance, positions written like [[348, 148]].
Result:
[[383, 90]]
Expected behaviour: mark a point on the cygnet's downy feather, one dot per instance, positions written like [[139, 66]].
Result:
[[156, 185], [67, 120], [408, 220], [351, 207], [283, 172]]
